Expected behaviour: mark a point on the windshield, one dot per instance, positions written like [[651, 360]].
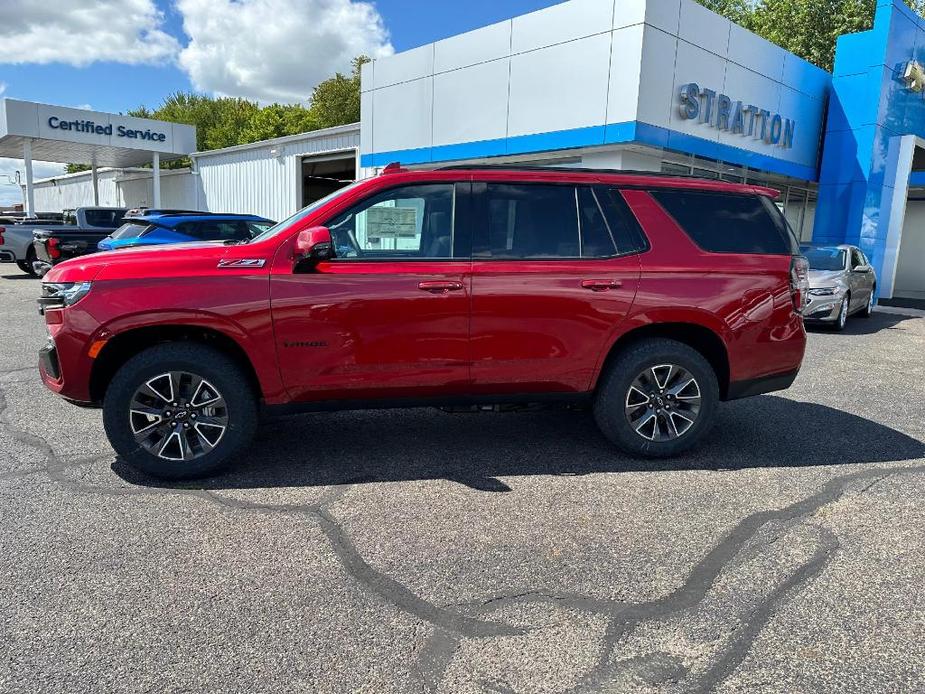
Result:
[[825, 258], [130, 231], [304, 212]]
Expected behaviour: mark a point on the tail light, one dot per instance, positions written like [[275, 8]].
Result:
[[799, 282], [2, 229], [53, 251]]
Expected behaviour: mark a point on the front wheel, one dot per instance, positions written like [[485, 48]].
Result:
[[842, 318], [657, 399], [869, 309], [179, 411]]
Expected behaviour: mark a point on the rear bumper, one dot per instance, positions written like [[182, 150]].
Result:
[[7, 256], [761, 385]]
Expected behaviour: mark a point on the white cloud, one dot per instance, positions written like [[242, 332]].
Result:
[[11, 194], [276, 50], [81, 32]]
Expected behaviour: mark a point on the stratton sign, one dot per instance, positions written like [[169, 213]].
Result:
[[88, 126], [721, 112]]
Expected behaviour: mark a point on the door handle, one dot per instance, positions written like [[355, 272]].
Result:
[[440, 287], [601, 285]]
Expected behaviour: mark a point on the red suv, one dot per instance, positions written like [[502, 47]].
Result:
[[649, 297]]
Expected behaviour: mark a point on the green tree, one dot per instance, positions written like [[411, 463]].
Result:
[[336, 101], [808, 28]]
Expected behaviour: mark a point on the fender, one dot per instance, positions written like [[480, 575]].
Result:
[[258, 348], [696, 317]]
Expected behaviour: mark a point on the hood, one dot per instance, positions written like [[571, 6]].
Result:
[[164, 261], [826, 278]]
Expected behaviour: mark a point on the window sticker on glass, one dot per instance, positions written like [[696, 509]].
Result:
[[391, 223]]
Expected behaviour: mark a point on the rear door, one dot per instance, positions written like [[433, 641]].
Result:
[[389, 316], [553, 275]]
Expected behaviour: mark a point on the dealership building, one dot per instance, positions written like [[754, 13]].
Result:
[[653, 85]]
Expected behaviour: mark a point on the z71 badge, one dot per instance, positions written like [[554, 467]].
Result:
[[243, 262]]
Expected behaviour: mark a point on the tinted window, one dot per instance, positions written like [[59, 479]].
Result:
[[622, 223], [596, 239], [130, 231], [407, 222], [255, 228], [857, 260], [729, 223], [104, 218], [825, 258], [214, 230], [528, 221]]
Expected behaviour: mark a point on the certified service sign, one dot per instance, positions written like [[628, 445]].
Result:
[[721, 112]]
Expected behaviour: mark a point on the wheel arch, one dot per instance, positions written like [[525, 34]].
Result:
[[124, 345], [697, 336]]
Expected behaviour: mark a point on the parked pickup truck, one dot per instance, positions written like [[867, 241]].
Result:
[[83, 229], [16, 238]]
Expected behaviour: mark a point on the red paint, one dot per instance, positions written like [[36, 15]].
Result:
[[389, 329]]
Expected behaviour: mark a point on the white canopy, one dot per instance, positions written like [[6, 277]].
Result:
[[30, 130]]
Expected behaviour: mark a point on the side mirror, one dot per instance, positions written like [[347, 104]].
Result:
[[314, 245]]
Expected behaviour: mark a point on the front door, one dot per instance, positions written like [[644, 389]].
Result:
[[388, 317], [554, 273], [860, 280]]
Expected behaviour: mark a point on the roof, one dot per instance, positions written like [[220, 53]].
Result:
[[286, 139], [175, 219], [64, 135]]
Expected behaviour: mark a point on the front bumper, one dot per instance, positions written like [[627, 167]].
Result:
[[821, 309]]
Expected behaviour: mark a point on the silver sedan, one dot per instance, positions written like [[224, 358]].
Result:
[[842, 283]]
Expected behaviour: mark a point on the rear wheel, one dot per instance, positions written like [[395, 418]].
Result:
[[179, 410], [657, 399], [26, 265]]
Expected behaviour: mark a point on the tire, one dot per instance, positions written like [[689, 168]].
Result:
[[26, 265], [868, 310], [613, 403], [211, 446], [842, 320]]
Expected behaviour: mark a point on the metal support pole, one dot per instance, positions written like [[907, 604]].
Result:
[[96, 184], [29, 200], [157, 180]]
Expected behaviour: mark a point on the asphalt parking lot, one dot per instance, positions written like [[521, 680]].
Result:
[[422, 551]]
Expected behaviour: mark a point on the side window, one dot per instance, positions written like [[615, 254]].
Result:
[[857, 260], [596, 238], [256, 228], [528, 221], [728, 222], [414, 221], [624, 227]]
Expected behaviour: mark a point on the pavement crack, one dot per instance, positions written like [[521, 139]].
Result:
[[626, 618]]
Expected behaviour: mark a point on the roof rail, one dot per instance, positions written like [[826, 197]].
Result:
[[565, 169]]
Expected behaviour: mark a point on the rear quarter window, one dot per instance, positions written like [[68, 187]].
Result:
[[729, 222]]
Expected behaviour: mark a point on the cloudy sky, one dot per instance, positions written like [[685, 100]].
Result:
[[114, 55]]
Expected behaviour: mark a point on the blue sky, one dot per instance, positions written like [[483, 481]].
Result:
[[115, 55], [117, 87]]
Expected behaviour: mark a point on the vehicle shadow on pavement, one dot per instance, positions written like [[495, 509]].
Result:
[[863, 326], [478, 450], [22, 276]]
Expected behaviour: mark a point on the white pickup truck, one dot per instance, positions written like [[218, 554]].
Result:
[[16, 239]]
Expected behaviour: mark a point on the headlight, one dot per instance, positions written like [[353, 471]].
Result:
[[60, 294], [824, 291]]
